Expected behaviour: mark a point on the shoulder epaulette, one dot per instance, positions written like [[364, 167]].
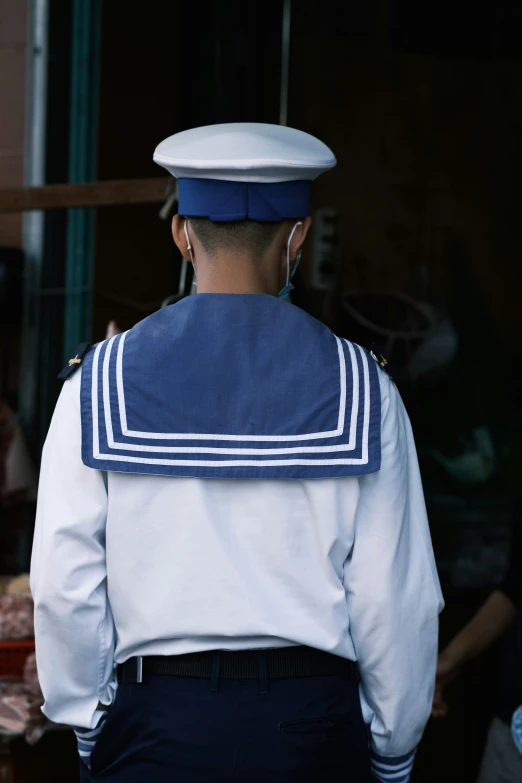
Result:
[[381, 361], [75, 362]]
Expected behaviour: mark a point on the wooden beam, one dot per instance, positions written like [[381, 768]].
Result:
[[88, 194]]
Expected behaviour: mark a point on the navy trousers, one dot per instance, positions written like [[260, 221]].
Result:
[[176, 730]]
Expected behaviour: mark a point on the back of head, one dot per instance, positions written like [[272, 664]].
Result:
[[249, 238], [244, 192]]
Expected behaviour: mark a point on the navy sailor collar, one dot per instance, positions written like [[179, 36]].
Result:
[[231, 386]]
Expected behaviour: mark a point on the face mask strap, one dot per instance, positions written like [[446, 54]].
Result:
[[189, 246], [288, 275]]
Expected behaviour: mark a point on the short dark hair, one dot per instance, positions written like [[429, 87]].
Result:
[[235, 237]]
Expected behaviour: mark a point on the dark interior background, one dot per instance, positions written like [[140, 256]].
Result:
[[421, 104]]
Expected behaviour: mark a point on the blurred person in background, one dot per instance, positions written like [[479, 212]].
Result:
[[18, 481], [500, 615]]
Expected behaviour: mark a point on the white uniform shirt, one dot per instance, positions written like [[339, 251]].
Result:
[[128, 565]]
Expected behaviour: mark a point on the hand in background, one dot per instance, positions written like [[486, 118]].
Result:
[[487, 625], [112, 329], [447, 671]]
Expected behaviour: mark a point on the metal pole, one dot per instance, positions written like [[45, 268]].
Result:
[[285, 62], [85, 91], [34, 222]]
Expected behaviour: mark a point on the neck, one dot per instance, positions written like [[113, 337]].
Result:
[[236, 276]]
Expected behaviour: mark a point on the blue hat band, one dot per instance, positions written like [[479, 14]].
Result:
[[223, 201]]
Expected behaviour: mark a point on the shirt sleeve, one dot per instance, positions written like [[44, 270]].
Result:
[[394, 598], [74, 629]]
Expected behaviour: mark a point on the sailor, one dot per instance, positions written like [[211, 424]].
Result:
[[232, 571]]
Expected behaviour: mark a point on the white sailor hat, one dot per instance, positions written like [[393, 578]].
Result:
[[244, 170]]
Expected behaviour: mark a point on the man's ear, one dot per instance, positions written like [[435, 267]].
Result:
[[299, 236], [178, 233]]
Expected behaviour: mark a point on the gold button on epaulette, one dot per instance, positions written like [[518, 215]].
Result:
[[381, 361], [73, 364]]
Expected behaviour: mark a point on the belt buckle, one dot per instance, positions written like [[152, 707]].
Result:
[[132, 671]]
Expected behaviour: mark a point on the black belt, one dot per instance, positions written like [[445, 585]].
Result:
[[240, 665]]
